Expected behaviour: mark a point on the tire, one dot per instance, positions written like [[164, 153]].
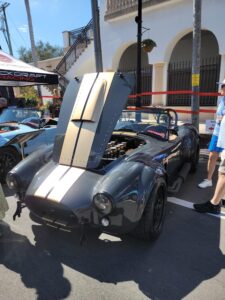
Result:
[[151, 222], [9, 158]]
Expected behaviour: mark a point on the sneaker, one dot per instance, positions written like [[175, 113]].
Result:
[[207, 207], [205, 183]]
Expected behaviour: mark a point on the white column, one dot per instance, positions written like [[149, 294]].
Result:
[[66, 40], [222, 68], [159, 83]]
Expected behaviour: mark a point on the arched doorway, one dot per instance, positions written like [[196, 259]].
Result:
[[128, 63], [180, 65]]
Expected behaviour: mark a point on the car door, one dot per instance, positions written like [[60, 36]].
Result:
[[172, 159]]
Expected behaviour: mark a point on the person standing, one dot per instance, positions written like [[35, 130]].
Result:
[[213, 206], [214, 150], [3, 207]]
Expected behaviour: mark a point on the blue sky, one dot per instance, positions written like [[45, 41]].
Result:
[[50, 18]]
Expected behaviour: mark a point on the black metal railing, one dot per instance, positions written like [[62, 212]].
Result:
[[82, 38], [179, 78], [146, 74], [63, 81]]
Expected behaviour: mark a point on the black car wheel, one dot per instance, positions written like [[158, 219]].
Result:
[[9, 158], [150, 225]]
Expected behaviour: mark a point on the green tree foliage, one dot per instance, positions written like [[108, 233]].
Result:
[[30, 95], [44, 51]]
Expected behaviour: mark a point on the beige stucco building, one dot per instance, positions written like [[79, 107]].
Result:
[[170, 24]]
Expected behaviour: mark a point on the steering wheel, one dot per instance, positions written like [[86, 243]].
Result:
[[169, 118], [173, 117], [163, 119]]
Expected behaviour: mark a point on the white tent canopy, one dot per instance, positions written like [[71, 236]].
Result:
[[14, 72]]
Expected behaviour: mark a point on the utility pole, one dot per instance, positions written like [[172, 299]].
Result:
[[33, 49], [5, 28], [31, 32], [196, 61], [138, 20], [97, 37]]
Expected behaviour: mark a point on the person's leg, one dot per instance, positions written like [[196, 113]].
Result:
[[220, 189], [220, 186], [213, 157], [213, 206]]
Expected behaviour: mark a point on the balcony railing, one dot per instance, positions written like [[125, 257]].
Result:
[[116, 8], [81, 39]]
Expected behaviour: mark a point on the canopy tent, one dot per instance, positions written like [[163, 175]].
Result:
[[14, 72]]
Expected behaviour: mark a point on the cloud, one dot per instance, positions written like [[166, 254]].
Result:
[[23, 28]]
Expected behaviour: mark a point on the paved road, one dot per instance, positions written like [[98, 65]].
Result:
[[186, 262]]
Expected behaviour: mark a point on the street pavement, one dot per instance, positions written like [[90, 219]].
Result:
[[186, 262]]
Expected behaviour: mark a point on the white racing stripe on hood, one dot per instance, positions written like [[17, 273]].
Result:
[[51, 181], [93, 111], [65, 184], [73, 127]]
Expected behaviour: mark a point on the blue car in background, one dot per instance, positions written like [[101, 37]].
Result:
[[15, 122]]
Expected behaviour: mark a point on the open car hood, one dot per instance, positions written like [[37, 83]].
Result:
[[88, 116]]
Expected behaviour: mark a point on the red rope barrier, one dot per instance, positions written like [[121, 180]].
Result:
[[182, 111], [208, 94], [52, 97]]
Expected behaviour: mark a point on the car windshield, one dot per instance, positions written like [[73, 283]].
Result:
[[17, 114], [153, 122]]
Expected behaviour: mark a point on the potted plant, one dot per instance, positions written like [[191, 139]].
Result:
[[148, 45]]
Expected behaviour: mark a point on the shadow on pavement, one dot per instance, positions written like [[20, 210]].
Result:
[[36, 267], [186, 254], [7, 191]]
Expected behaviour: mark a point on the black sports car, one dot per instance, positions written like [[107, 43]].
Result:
[[107, 170]]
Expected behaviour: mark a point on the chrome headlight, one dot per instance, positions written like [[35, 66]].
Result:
[[12, 181], [103, 203]]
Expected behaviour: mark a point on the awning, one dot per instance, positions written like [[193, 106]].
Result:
[[14, 72]]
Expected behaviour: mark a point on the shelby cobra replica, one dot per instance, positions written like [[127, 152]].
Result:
[[106, 173]]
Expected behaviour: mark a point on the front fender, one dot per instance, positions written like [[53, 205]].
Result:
[[130, 185], [24, 172]]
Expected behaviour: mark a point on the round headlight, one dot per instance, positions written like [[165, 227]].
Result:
[[11, 181], [103, 203]]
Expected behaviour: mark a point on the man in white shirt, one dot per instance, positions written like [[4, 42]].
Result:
[[213, 206]]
